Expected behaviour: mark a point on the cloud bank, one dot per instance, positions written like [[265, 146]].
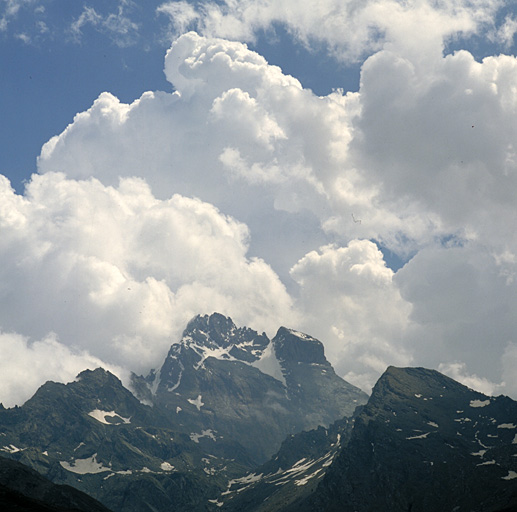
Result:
[[244, 193]]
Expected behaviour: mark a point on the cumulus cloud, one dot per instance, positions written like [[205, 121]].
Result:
[[349, 29], [420, 159], [458, 372], [351, 302], [25, 365], [118, 273], [297, 195]]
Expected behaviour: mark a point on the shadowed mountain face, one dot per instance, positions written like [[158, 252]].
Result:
[[231, 382], [222, 401], [425, 443], [24, 490]]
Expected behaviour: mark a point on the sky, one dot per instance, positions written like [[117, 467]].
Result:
[[345, 168]]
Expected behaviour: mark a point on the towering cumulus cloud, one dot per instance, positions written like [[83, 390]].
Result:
[[244, 193], [117, 273]]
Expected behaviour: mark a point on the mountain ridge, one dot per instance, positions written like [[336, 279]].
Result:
[[235, 382], [208, 416]]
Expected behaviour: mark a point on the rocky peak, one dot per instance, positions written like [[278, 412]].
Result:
[[419, 388], [212, 329], [295, 347], [217, 336]]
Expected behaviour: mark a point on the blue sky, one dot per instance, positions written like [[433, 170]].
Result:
[[49, 73], [345, 168]]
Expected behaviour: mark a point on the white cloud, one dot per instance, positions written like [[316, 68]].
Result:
[[182, 15], [25, 365], [9, 10], [509, 360], [505, 33], [423, 155], [350, 29], [118, 273], [350, 301], [122, 30], [458, 372]]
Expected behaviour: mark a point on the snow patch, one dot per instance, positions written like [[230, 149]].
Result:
[[487, 463], [507, 425], [173, 388], [166, 466], [479, 403], [197, 402], [421, 436], [479, 454], [510, 476], [10, 449], [269, 364], [305, 480], [85, 466], [432, 424], [300, 335], [101, 416], [204, 433]]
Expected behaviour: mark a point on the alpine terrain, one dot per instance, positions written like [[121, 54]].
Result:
[[222, 403], [235, 421], [422, 443]]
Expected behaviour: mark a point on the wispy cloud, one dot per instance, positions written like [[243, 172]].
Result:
[[117, 25], [9, 10], [350, 29]]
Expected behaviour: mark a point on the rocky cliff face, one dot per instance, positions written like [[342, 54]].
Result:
[[292, 475], [223, 382]]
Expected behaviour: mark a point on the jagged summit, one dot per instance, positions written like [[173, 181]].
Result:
[[217, 336], [233, 381], [295, 346]]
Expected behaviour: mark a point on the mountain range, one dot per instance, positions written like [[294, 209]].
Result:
[[236, 421]]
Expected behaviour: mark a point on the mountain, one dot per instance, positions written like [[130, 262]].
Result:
[[291, 475], [93, 434], [223, 401], [22, 490], [235, 421], [223, 382], [424, 442]]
